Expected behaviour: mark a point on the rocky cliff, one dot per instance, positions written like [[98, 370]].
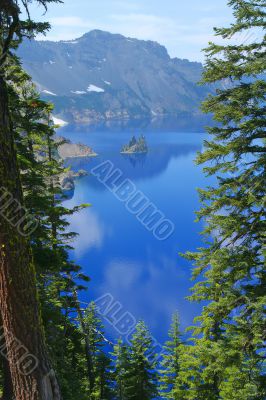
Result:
[[104, 76]]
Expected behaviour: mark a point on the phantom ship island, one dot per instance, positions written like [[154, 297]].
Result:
[[135, 146]]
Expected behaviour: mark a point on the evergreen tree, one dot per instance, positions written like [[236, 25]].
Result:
[[103, 382], [132, 141], [121, 370], [142, 380], [15, 253], [226, 361], [97, 348], [170, 364], [56, 275], [40, 168]]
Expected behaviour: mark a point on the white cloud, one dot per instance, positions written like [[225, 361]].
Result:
[[183, 34], [172, 33], [118, 268], [143, 26], [148, 291], [91, 231], [70, 22]]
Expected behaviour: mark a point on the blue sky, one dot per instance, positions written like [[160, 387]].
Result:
[[183, 26]]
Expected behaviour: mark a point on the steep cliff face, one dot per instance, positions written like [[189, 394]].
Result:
[[105, 76]]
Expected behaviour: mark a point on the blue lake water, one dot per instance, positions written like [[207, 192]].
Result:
[[145, 276]]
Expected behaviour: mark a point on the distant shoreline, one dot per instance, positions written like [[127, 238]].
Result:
[[133, 152]]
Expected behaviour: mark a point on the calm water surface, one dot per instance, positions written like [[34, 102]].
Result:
[[148, 277]]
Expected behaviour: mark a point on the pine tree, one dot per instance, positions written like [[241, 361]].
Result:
[[133, 141], [142, 380], [228, 355], [15, 254], [96, 345], [39, 166], [170, 364], [103, 383], [121, 370]]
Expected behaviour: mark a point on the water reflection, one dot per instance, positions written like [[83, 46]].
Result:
[[181, 123], [137, 166], [146, 276], [90, 229], [152, 290]]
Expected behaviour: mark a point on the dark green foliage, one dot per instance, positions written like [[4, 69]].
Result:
[[134, 370], [136, 145], [121, 370], [170, 364], [50, 242], [142, 375], [226, 361], [225, 357], [101, 362]]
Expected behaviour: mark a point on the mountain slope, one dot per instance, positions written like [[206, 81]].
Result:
[[106, 76]]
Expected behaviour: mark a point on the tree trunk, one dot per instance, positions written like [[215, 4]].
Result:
[[7, 381], [7, 385], [31, 373]]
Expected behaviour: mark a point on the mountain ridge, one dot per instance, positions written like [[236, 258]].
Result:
[[104, 76]]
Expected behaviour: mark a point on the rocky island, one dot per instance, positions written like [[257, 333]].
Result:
[[135, 146], [67, 149]]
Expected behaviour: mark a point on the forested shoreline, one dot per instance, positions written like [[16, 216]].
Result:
[[52, 347]]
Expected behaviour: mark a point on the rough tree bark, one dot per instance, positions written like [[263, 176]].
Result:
[[31, 372], [7, 386], [7, 381]]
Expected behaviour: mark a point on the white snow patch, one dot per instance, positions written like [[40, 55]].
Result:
[[69, 41], [48, 92], [68, 54], [70, 67], [58, 121], [78, 91], [52, 62], [93, 88], [104, 59], [130, 40], [154, 113], [107, 83]]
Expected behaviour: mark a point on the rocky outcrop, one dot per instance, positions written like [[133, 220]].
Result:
[[67, 180], [67, 149]]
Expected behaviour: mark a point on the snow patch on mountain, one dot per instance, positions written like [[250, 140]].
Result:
[[58, 121], [78, 91], [48, 92], [69, 41], [93, 88]]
